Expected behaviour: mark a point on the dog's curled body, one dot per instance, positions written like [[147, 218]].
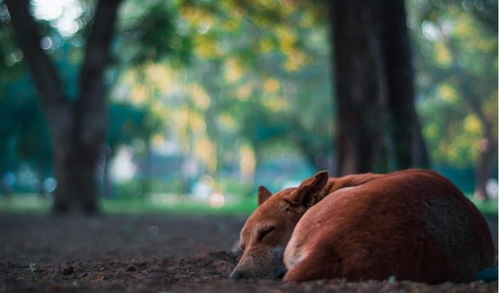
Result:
[[412, 224]]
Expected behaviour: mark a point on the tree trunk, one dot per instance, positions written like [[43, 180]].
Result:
[[76, 179], [360, 88], [148, 172], [486, 160], [376, 127], [107, 187], [40, 187], [408, 143], [78, 128]]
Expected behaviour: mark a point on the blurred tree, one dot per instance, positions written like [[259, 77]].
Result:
[[128, 124], [377, 125], [472, 94], [152, 32], [251, 83], [457, 58], [8, 154], [9, 69], [28, 133], [257, 81], [77, 126], [275, 81]]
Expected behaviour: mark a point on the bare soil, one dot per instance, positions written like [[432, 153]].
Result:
[[149, 254]]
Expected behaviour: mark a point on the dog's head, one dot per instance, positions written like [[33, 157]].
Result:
[[268, 230]]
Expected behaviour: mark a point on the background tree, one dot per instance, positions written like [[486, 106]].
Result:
[[254, 99], [457, 58], [28, 129], [77, 125], [128, 125], [377, 126]]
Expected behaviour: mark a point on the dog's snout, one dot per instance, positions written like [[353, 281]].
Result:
[[235, 275]]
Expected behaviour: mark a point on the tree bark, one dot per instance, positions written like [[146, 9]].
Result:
[[376, 127], [77, 128], [408, 143], [360, 89]]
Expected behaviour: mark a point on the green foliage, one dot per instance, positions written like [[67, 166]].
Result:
[[129, 123], [254, 80], [23, 132], [456, 61], [152, 32], [229, 79]]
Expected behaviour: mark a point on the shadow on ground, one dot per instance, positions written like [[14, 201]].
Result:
[[148, 254]]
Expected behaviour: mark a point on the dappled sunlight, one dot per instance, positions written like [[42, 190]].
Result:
[[64, 14], [216, 200], [243, 95], [233, 70], [137, 137]]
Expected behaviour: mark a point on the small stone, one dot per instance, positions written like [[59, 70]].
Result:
[[131, 269], [68, 270], [33, 267]]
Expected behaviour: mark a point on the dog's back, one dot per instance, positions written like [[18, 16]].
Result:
[[412, 224]]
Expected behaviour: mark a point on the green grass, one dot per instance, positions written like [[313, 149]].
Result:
[[24, 204], [488, 208], [140, 206], [30, 204]]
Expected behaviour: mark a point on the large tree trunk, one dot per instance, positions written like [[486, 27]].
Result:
[[360, 88], [408, 143], [77, 128], [376, 124], [76, 174]]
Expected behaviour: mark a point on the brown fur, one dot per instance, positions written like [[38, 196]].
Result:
[[411, 224], [263, 250]]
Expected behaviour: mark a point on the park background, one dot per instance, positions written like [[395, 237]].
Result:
[[187, 106], [146, 127]]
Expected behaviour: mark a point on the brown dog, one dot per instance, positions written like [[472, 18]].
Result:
[[412, 224]]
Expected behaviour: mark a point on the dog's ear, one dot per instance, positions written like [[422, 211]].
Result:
[[263, 194], [308, 192]]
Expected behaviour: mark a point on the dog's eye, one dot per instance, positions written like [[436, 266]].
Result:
[[265, 231]]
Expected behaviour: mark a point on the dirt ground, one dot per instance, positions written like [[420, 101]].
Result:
[[148, 254]]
